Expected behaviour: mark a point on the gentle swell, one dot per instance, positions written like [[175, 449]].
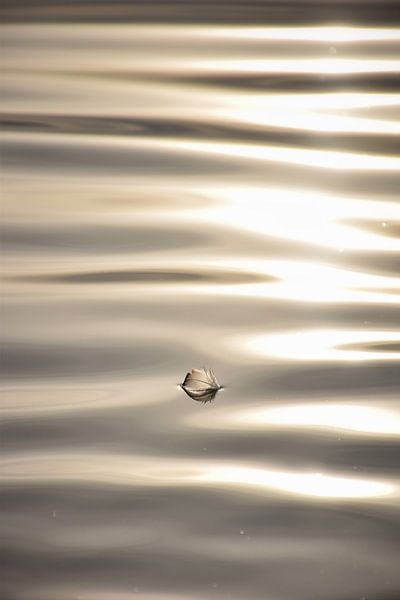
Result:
[[187, 185]]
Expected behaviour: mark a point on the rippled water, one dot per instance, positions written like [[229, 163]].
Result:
[[179, 194]]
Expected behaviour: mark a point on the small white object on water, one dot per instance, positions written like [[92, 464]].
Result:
[[201, 385]]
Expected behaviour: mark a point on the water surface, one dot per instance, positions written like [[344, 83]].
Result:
[[188, 186]]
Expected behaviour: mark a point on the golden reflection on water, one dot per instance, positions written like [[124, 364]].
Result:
[[348, 417], [318, 34], [323, 159], [144, 471], [186, 195], [331, 418], [312, 121], [323, 345], [317, 219], [303, 484]]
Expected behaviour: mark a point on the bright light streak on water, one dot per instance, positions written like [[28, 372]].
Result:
[[124, 471], [317, 34], [307, 484], [314, 122], [325, 345], [336, 161], [322, 65], [348, 417], [316, 219]]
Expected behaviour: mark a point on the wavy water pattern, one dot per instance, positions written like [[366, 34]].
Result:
[[185, 185]]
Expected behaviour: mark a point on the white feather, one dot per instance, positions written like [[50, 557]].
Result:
[[201, 384]]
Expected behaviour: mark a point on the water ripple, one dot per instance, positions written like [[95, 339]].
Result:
[[187, 186]]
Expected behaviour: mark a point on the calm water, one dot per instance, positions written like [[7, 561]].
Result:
[[187, 188]]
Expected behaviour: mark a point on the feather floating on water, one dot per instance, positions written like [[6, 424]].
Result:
[[201, 385]]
